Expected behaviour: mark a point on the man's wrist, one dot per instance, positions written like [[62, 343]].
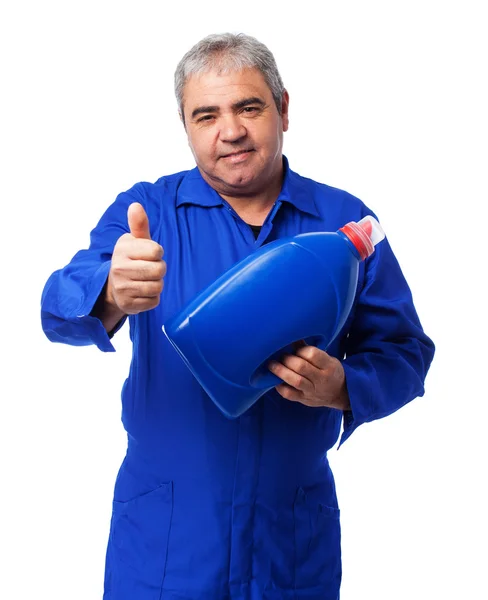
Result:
[[107, 310]]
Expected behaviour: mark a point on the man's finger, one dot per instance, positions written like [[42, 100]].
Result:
[[145, 270], [290, 393], [315, 356], [299, 365], [292, 378], [298, 344], [138, 221]]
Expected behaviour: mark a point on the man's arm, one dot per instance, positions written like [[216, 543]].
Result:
[[387, 358], [101, 285]]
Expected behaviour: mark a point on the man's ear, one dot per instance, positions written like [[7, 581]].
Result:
[[285, 102]]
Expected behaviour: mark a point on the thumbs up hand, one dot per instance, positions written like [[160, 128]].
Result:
[[135, 281]]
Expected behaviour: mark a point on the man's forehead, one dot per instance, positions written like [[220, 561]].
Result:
[[224, 86]]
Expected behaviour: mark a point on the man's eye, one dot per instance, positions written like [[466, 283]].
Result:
[[205, 118], [250, 109]]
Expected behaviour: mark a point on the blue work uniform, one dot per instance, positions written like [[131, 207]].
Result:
[[206, 507]]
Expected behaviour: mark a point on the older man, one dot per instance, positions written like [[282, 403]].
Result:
[[207, 508]]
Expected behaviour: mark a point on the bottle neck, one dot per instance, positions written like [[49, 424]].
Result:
[[359, 239]]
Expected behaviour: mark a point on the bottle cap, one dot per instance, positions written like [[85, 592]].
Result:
[[364, 234]]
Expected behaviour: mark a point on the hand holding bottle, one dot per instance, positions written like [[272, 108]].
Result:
[[312, 377]]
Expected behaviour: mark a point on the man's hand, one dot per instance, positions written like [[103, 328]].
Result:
[[313, 378], [135, 280]]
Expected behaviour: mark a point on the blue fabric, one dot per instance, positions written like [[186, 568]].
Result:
[[209, 508]]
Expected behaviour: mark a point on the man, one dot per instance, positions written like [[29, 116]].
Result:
[[206, 507]]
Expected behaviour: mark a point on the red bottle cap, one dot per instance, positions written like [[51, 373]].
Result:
[[364, 235]]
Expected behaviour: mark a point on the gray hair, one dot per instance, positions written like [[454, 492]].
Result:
[[228, 52]]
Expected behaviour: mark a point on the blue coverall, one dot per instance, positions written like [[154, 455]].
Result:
[[209, 508]]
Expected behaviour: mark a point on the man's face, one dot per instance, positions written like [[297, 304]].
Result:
[[234, 129]]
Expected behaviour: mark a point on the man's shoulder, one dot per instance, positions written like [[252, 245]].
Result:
[[164, 184], [319, 186], [176, 178], [327, 196], [158, 197]]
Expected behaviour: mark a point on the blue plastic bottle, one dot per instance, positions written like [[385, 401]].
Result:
[[301, 287]]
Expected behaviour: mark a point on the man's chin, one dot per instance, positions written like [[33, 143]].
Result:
[[236, 178], [230, 180]]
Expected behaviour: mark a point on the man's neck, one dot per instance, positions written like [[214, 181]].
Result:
[[253, 209]]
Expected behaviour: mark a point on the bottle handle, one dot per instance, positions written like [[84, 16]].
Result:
[[268, 380]]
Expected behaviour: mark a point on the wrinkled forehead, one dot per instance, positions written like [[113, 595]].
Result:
[[221, 87]]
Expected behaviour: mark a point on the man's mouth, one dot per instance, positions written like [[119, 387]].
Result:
[[237, 153]]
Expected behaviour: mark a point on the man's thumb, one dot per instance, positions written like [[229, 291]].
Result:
[[138, 221]]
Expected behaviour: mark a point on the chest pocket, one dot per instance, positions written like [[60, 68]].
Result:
[[138, 546]]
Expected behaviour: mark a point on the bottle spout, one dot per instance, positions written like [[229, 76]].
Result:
[[372, 229], [365, 235]]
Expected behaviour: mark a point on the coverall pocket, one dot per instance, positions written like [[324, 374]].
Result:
[[138, 545], [317, 544]]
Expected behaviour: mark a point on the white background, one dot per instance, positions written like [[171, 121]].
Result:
[[388, 101]]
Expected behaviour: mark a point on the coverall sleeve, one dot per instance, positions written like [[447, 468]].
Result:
[[70, 293], [387, 353]]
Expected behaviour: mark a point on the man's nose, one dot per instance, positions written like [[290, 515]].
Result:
[[232, 129]]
